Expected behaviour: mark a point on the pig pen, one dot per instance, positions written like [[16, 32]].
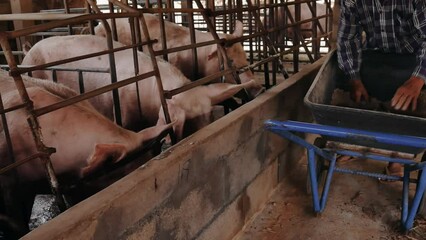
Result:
[[188, 163], [234, 180], [208, 186]]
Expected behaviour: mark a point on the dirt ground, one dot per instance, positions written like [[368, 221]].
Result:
[[358, 207]]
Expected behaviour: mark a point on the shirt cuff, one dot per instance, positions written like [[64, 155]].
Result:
[[420, 74], [354, 76]]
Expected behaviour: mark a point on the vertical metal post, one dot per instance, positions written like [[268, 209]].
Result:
[[32, 120], [111, 57], [67, 10], [193, 40], [81, 81]]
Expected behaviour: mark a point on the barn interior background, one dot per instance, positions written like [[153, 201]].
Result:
[[280, 38]]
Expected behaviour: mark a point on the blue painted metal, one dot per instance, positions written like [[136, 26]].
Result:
[[319, 200], [348, 133]]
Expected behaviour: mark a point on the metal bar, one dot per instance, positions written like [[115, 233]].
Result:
[[331, 170], [368, 174], [7, 137], [313, 178], [60, 68], [154, 63], [54, 76], [193, 40], [157, 77], [20, 162], [408, 224], [33, 123], [196, 45], [37, 16], [170, 93], [67, 11], [90, 94], [405, 192], [267, 41], [81, 81], [346, 146], [387, 138], [64, 22], [222, 56], [68, 60], [373, 156]]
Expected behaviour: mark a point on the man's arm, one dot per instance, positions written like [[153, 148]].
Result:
[[349, 49], [349, 40], [420, 25], [409, 92]]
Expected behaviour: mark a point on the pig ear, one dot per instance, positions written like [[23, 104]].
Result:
[[152, 132], [178, 116], [102, 153], [238, 32], [26, 47], [219, 92]]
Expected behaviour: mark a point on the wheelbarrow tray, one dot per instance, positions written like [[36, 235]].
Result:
[[318, 99]]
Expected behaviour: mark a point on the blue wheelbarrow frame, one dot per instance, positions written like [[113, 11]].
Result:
[[286, 130]]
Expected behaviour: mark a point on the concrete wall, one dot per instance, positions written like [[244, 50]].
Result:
[[206, 187]]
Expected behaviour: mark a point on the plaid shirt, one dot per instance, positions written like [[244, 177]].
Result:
[[396, 26]]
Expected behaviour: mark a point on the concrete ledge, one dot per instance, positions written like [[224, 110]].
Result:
[[207, 186]]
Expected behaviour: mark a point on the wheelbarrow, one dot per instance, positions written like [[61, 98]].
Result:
[[345, 131]]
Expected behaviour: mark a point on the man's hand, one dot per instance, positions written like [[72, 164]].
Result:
[[358, 91], [407, 94]]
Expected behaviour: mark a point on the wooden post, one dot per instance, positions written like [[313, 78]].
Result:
[[21, 6]]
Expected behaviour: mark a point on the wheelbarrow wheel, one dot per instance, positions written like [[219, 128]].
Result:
[[422, 207], [320, 167]]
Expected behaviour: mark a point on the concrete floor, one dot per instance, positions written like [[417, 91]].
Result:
[[358, 207]]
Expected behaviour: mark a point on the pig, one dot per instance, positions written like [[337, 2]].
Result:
[[191, 104], [177, 36], [305, 13], [83, 138]]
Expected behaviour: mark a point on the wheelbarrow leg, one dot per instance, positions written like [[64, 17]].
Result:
[[313, 178], [319, 202], [328, 182], [409, 220], [405, 197]]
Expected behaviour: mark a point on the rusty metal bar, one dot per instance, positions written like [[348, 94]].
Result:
[[169, 10], [73, 59], [67, 11], [80, 81], [193, 40], [73, 20], [59, 68], [157, 77], [33, 122], [298, 38], [153, 60], [268, 41], [177, 49], [169, 94], [133, 24], [89, 11], [7, 136], [223, 58], [163, 34], [20, 162], [90, 94], [37, 16], [12, 108], [54, 76]]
